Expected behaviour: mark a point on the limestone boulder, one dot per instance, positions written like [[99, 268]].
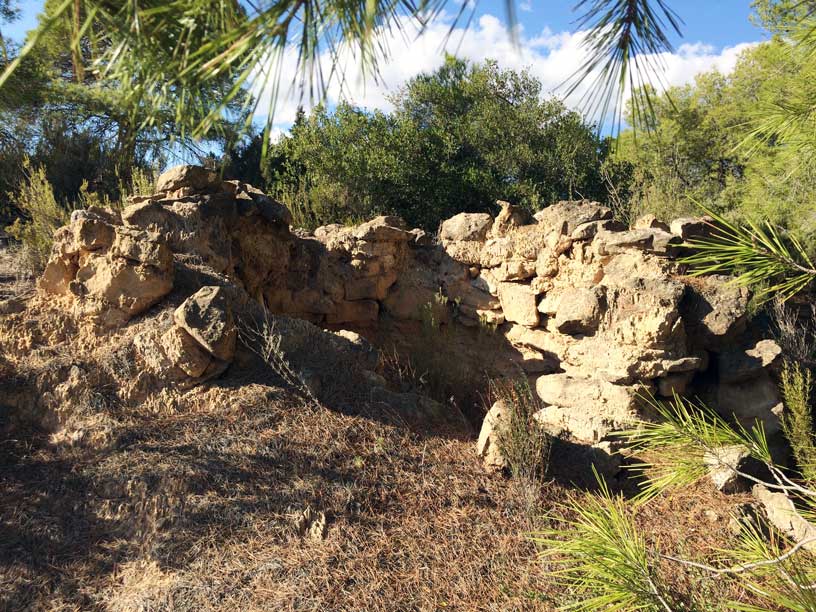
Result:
[[518, 302], [185, 353], [715, 311], [691, 228], [509, 218], [652, 240], [515, 270], [576, 311], [677, 383], [468, 252], [564, 217], [383, 229], [588, 231], [723, 464], [199, 228], [416, 288], [125, 272], [644, 311], [546, 265], [466, 227], [207, 317], [141, 248], [587, 407], [92, 234], [195, 178], [487, 446], [650, 222]]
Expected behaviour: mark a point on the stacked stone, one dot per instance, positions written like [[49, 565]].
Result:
[[595, 313]]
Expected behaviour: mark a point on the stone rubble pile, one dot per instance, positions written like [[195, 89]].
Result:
[[594, 313]]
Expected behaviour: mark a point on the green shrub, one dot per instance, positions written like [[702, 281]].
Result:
[[43, 213], [797, 422], [521, 440]]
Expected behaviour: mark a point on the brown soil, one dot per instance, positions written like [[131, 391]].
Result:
[[189, 502]]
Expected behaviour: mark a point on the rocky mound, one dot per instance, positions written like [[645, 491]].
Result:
[[594, 313]]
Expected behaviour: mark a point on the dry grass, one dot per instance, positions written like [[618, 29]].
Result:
[[16, 279], [190, 500], [204, 499]]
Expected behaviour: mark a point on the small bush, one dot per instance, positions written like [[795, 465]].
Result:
[[263, 339], [522, 441], [142, 182], [795, 333], [798, 421], [35, 198]]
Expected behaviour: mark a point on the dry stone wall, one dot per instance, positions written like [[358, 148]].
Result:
[[594, 313]]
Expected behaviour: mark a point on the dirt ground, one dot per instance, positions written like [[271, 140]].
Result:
[[193, 502]]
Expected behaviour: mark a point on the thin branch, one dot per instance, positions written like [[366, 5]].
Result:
[[738, 569]]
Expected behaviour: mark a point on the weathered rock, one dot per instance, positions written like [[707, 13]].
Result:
[[565, 216], [736, 365], [185, 353], [488, 447], [207, 317], [598, 310], [650, 222], [466, 227], [715, 311], [515, 270], [546, 265], [518, 303], [644, 311], [359, 348], [92, 234], [123, 273], [142, 248], [611, 243], [420, 238], [270, 210], [383, 229], [589, 408], [509, 218], [672, 384], [576, 311], [194, 177], [588, 231], [690, 228], [783, 515], [723, 464]]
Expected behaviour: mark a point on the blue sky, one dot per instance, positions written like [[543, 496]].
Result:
[[716, 22], [714, 34]]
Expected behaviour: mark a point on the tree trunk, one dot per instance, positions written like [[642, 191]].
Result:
[[76, 48]]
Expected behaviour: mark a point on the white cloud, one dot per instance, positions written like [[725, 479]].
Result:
[[550, 57]]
